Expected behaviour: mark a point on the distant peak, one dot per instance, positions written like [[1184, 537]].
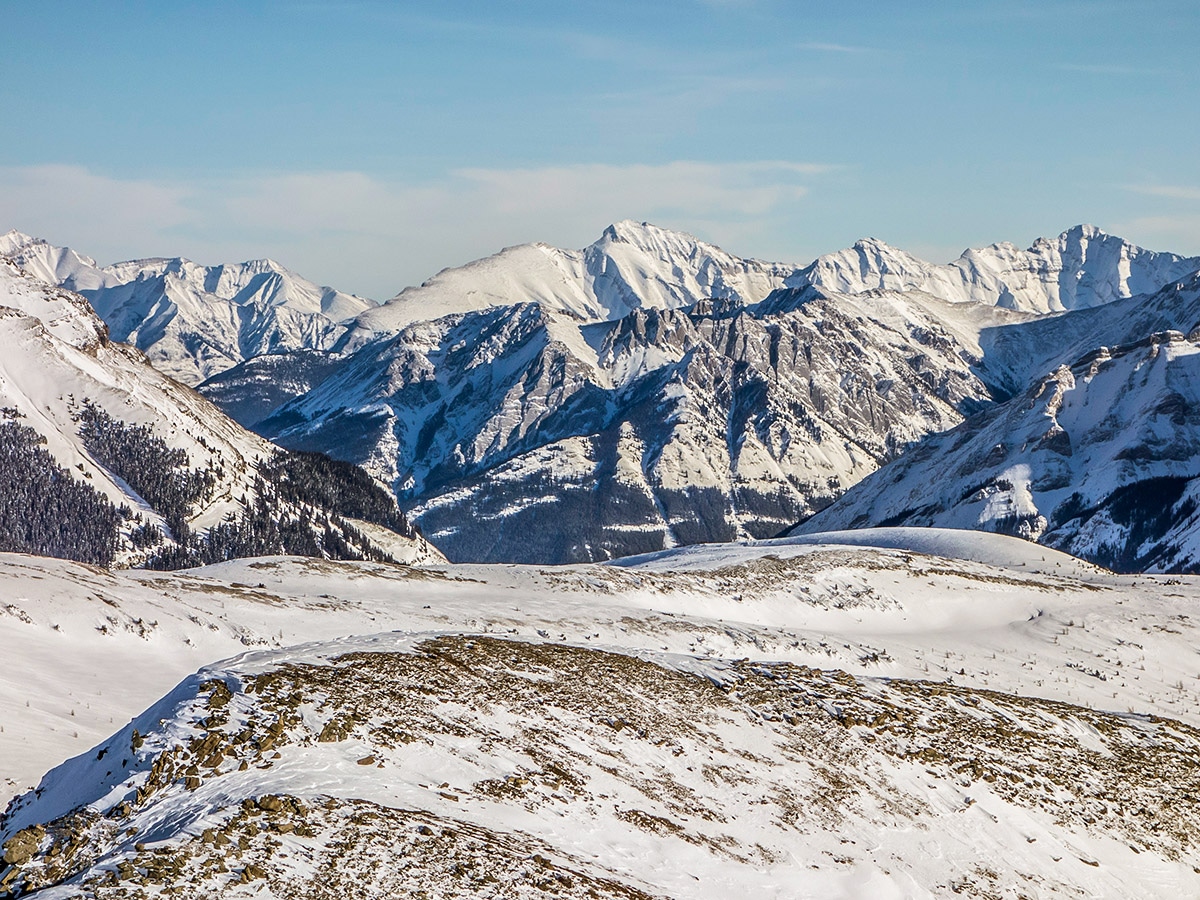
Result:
[[14, 238], [644, 234], [870, 243], [1084, 232]]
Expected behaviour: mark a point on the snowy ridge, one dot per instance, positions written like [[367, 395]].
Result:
[[1064, 464], [195, 321], [791, 718], [1098, 457], [1083, 267], [632, 266], [57, 356]]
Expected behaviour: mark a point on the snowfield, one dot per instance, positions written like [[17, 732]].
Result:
[[890, 713]]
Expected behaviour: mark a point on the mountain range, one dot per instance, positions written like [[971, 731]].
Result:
[[194, 321], [652, 390]]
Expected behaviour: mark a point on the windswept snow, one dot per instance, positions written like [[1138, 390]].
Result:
[[940, 712]]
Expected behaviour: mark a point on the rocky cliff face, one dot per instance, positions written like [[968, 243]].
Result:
[[1099, 457], [514, 434]]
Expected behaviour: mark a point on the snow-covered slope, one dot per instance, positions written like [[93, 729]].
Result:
[[1082, 267], [100, 444], [1098, 458], [632, 266], [779, 719], [195, 321]]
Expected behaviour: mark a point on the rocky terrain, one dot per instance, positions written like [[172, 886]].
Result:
[[942, 713]]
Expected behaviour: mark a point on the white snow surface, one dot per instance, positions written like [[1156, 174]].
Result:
[[981, 613]]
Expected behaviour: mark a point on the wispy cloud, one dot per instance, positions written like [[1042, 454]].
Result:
[[1171, 191], [48, 197], [374, 235], [1108, 69], [833, 48]]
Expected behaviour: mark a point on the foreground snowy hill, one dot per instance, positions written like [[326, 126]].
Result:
[[107, 460], [978, 716], [195, 321]]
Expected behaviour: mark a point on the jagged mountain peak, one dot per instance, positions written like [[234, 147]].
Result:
[[1085, 230], [630, 266], [13, 239], [1083, 267], [193, 320], [648, 236], [873, 243]]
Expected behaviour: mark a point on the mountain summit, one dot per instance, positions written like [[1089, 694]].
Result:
[[194, 321], [1082, 267], [631, 266]]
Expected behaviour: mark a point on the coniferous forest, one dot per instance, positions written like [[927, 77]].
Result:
[[46, 510], [298, 506]]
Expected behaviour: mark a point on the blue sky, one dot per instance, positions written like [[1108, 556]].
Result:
[[369, 144]]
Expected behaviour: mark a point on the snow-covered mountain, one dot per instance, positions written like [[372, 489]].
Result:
[[942, 713], [517, 434], [643, 417], [195, 321], [632, 266], [108, 460], [1082, 267], [1099, 457]]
